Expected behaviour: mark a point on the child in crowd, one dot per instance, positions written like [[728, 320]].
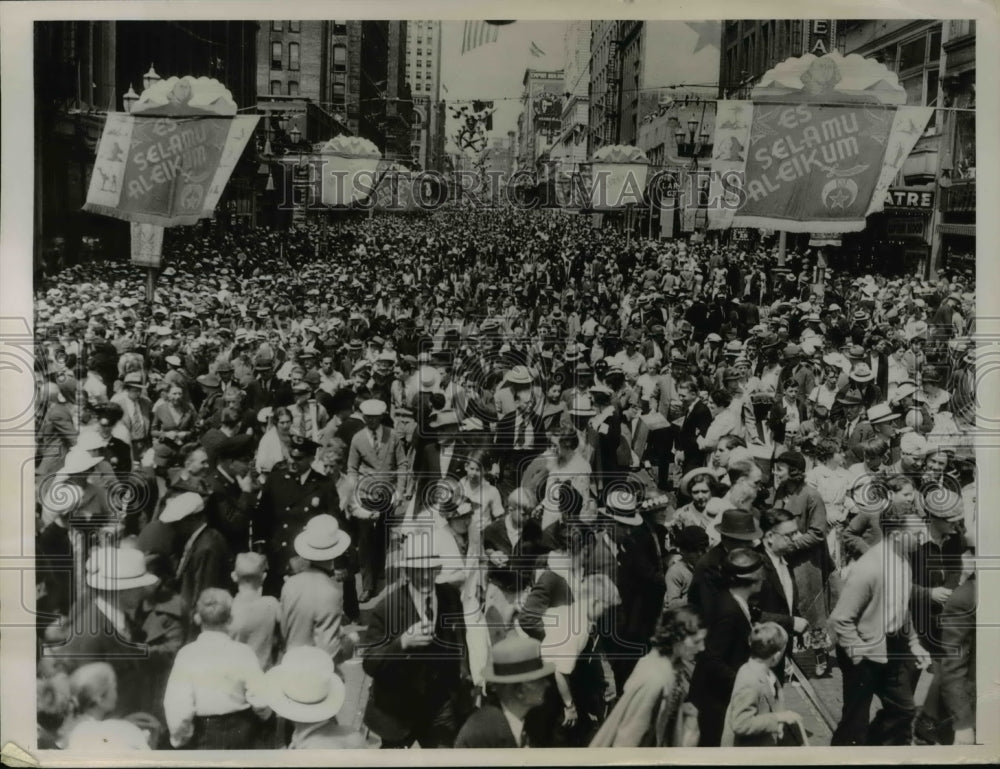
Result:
[[255, 616], [215, 685], [756, 716]]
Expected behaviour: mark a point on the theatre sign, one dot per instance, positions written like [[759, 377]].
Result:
[[903, 197]]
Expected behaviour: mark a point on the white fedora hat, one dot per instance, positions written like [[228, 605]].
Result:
[[322, 539], [180, 507], [304, 688], [78, 461], [418, 552], [118, 569]]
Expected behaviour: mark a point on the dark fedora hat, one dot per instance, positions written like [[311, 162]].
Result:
[[739, 524], [743, 564]]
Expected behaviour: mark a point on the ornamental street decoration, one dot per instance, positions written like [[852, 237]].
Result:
[[167, 163], [473, 122], [815, 149], [350, 170], [617, 177]]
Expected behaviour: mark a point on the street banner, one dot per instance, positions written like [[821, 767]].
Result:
[[815, 150], [147, 244], [168, 162], [617, 177], [350, 170]]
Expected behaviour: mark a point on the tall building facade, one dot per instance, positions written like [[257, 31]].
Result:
[[353, 71], [751, 47], [423, 73], [541, 115], [571, 147], [605, 85], [935, 63]]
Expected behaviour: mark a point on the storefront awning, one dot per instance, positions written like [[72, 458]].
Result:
[[968, 230]]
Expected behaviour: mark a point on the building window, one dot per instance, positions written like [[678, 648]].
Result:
[[294, 26], [420, 40], [293, 88], [420, 52], [339, 28], [339, 58], [276, 26], [276, 55], [275, 88], [339, 92], [293, 55]]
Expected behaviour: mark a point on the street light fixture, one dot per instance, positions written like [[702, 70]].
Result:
[[692, 127], [282, 121], [129, 99], [295, 134], [150, 78]]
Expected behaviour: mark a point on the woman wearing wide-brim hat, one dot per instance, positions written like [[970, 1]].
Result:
[[305, 690]]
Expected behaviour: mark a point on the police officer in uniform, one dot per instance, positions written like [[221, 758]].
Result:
[[294, 492]]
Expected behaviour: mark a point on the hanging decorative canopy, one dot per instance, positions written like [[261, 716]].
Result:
[[351, 147], [179, 96]]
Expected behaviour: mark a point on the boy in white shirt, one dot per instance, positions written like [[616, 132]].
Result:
[[214, 699]]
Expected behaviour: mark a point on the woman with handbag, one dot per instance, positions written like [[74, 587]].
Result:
[[652, 710]]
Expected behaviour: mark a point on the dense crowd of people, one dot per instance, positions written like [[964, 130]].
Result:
[[553, 487]]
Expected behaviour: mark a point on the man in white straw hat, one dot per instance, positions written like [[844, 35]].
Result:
[[312, 601], [103, 625], [414, 646], [205, 560], [519, 677], [305, 690]]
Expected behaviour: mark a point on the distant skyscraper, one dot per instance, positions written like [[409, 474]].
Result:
[[423, 73]]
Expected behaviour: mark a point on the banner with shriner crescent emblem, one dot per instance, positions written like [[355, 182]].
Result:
[[815, 150], [167, 163]]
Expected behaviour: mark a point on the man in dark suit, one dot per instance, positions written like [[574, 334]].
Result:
[[520, 433], [640, 581], [778, 598], [437, 454], [233, 495], [520, 679], [103, 626], [414, 652], [206, 560], [262, 391], [294, 493], [737, 529], [513, 542], [696, 422], [727, 644]]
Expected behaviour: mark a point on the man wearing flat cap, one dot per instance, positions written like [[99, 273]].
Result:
[[294, 492]]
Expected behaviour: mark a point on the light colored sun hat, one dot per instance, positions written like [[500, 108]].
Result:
[[619, 504], [78, 461], [418, 552], [322, 539], [304, 687], [516, 659], [116, 569], [180, 507]]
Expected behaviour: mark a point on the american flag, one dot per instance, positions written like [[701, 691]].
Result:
[[476, 34]]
